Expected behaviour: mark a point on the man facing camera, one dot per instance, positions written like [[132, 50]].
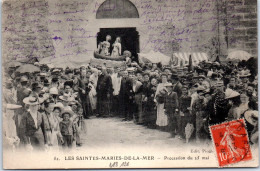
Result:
[[171, 109]]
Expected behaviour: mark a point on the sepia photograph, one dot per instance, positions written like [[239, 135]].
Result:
[[122, 84]]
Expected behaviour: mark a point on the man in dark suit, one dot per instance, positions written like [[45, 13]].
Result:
[[171, 106], [177, 86], [34, 124], [104, 92], [22, 92], [126, 97], [83, 89]]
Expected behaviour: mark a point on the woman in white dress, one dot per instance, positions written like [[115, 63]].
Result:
[[116, 48], [92, 94], [162, 119], [56, 137]]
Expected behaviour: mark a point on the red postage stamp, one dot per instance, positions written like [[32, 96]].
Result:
[[231, 142]]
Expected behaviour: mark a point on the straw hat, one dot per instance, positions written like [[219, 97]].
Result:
[[200, 89], [66, 98], [168, 85], [67, 111], [201, 76], [219, 83], [24, 79], [252, 117], [54, 91], [59, 105], [31, 100], [130, 69], [216, 63], [43, 74], [55, 70], [82, 67], [244, 74], [73, 103], [231, 94]]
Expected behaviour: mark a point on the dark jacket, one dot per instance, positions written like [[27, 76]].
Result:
[[20, 127], [126, 92], [171, 103], [177, 88], [104, 85], [184, 104], [150, 94], [21, 94], [82, 85], [67, 128], [30, 128]]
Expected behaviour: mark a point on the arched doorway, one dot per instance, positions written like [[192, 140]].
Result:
[[118, 9]]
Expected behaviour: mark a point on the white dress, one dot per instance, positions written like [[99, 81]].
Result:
[[116, 50], [162, 118], [55, 134], [92, 97]]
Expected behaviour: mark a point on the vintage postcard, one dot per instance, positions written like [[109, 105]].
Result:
[[123, 84]]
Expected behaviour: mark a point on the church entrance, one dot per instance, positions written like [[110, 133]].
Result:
[[129, 38]]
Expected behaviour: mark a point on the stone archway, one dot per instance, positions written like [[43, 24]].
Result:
[[117, 9]]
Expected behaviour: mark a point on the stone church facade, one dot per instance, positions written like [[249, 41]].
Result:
[[72, 29]]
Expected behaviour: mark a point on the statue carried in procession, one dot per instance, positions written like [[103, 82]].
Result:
[[104, 47], [103, 51]]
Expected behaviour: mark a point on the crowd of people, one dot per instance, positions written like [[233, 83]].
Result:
[[47, 109]]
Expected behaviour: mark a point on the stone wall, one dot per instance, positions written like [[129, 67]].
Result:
[[242, 19], [68, 28], [25, 30]]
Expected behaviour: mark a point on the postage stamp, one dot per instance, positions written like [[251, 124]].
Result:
[[231, 142]]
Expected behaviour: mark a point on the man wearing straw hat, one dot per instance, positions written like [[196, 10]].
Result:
[[231, 95], [34, 124], [244, 75]]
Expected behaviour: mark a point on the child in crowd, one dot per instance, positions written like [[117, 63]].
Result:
[[67, 128]]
